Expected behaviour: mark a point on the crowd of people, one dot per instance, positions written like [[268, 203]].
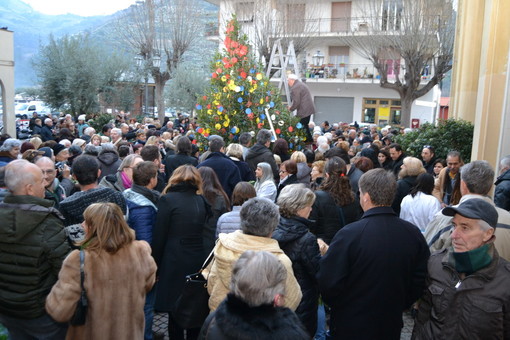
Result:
[[342, 227]]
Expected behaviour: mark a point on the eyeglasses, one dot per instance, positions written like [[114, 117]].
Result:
[[283, 171]]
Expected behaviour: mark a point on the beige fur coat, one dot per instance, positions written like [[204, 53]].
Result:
[[116, 285]]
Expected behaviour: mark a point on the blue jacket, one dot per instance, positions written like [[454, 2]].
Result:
[[141, 215], [225, 169]]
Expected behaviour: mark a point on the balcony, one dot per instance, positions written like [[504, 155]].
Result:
[[342, 27], [359, 73]]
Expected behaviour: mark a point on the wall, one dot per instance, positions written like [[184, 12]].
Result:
[[7, 81]]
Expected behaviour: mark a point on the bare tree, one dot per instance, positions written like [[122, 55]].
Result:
[[412, 40], [165, 28]]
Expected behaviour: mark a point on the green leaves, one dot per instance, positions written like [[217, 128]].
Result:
[[449, 135]]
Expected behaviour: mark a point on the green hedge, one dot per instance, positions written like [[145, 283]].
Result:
[[448, 135]]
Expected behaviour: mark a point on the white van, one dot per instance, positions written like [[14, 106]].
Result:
[[29, 108]]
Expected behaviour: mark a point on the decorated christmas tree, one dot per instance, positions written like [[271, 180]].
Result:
[[241, 99]]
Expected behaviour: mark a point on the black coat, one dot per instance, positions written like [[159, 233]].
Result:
[[396, 165], [374, 269], [46, 133], [259, 153], [244, 170], [292, 179], [301, 247], [235, 320], [502, 192], [404, 187], [327, 216], [172, 162], [177, 242]]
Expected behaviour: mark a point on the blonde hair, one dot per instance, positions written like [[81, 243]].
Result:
[[235, 150], [298, 157], [412, 167], [104, 139], [36, 142], [344, 145], [185, 174], [152, 140], [107, 229]]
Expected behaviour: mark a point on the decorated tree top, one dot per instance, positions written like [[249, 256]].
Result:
[[240, 97]]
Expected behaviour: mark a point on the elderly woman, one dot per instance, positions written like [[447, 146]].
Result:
[[123, 179], [264, 186], [10, 150], [259, 218], [235, 152], [411, 168], [317, 174], [288, 171], [303, 170], [178, 241], [95, 140], [254, 308], [112, 258], [231, 221], [293, 236]]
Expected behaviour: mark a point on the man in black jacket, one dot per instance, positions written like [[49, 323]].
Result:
[[397, 155], [375, 268], [32, 247], [260, 152]]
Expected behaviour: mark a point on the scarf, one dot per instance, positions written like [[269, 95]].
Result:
[[469, 262], [126, 182]]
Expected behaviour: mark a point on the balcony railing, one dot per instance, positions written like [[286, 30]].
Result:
[[359, 72], [342, 26]]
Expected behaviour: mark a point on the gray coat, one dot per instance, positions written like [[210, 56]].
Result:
[[302, 100]]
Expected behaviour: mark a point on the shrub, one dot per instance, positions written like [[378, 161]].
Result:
[[448, 135]]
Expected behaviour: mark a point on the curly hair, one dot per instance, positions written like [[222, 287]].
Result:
[[336, 182]]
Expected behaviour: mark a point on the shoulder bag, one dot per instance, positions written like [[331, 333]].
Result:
[[80, 314], [192, 306]]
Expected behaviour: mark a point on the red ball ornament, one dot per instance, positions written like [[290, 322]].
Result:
[[278, 131], [290, 129]]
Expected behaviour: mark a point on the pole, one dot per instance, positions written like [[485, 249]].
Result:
[[146, 95]]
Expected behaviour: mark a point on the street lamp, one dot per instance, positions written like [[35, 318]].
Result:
[[147, 62], [318, 58]]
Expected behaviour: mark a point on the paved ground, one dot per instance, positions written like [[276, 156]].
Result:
[[160, 325]]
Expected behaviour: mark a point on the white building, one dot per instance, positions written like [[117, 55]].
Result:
[[345, 86]]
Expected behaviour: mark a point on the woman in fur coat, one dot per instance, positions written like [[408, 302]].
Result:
[[119, 271]]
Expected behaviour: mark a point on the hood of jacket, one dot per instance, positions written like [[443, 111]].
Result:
[[256, 150], [290, 229], [108, 157], [504, 177], [22, 214]]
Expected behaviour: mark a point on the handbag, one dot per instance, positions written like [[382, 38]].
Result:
[[192, 306], [80, 314]]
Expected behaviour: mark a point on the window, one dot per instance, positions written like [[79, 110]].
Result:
[[391, 15], [244, 11], [369, 116], [381, 111]]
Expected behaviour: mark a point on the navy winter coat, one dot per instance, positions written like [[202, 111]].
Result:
[[225, 169]]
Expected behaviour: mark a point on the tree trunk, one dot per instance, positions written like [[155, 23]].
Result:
[[160, 100], [405, 114]]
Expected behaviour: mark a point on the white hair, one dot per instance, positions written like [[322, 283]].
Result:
[[322, 140], [65, 142], [89, 131]]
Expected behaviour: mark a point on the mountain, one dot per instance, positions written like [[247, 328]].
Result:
[[32, 29]]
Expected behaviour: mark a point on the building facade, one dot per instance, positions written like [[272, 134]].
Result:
[[7, 81], [345, 86]]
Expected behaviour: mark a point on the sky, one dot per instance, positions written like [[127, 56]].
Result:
[[79, 7]]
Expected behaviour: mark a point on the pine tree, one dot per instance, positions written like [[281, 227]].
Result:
[[239, 94]]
